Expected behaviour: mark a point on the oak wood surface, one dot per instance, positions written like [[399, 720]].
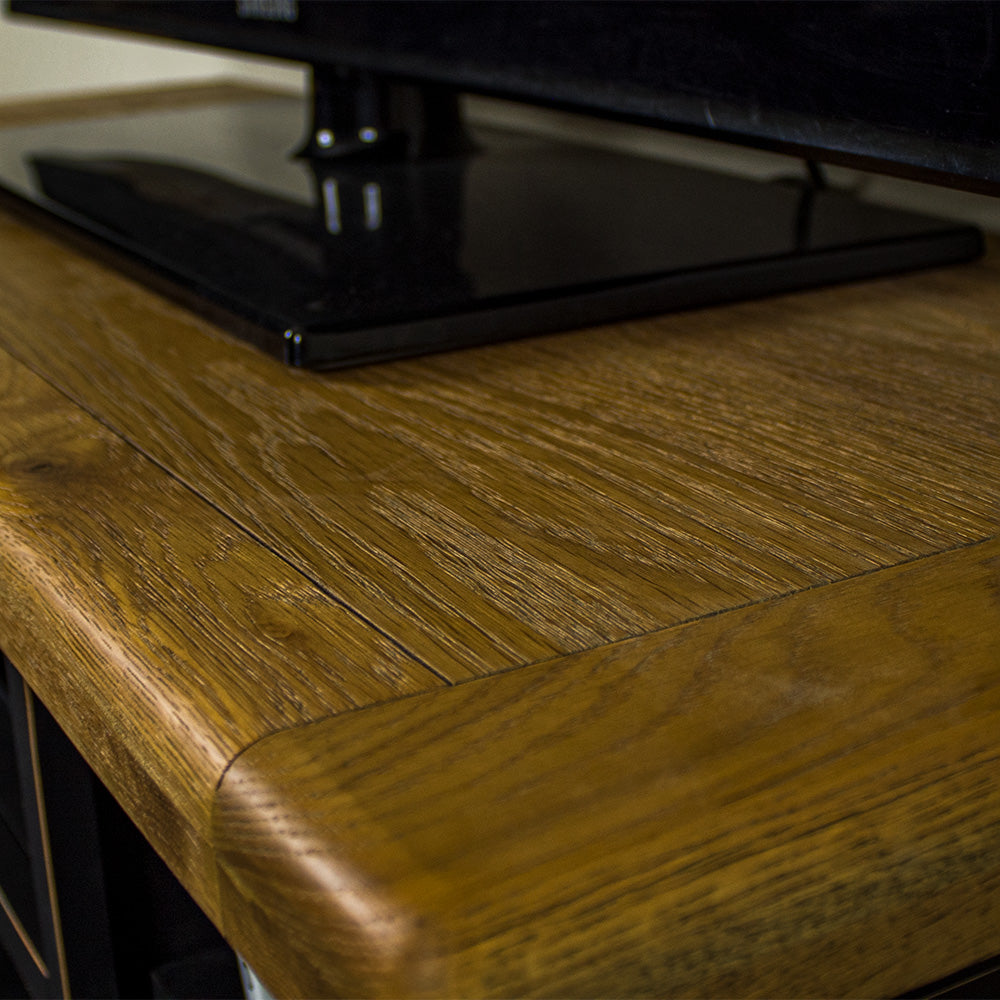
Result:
[[800, 798], [495, 507], [750, 550], [162, 638]]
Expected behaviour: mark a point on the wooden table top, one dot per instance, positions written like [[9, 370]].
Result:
[[658, 658]]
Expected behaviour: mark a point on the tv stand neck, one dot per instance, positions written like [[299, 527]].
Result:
[[360, 114]]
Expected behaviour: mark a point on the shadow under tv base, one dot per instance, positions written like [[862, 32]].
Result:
[[329, 261]]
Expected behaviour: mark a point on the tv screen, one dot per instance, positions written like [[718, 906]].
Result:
[[909, 87]]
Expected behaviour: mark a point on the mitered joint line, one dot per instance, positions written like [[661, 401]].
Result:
[[759, 602], [486, 678]]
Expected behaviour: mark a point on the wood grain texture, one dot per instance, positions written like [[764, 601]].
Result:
[[159, 635], [800, 798], [501, 506]]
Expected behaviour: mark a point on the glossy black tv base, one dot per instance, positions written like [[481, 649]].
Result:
[[336, 264]]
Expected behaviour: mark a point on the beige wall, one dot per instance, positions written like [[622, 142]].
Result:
[[40, 57]]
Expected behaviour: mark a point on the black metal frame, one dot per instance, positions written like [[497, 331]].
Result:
[[88, 909]]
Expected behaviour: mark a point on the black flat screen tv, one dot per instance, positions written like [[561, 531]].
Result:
[[376, 223]]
